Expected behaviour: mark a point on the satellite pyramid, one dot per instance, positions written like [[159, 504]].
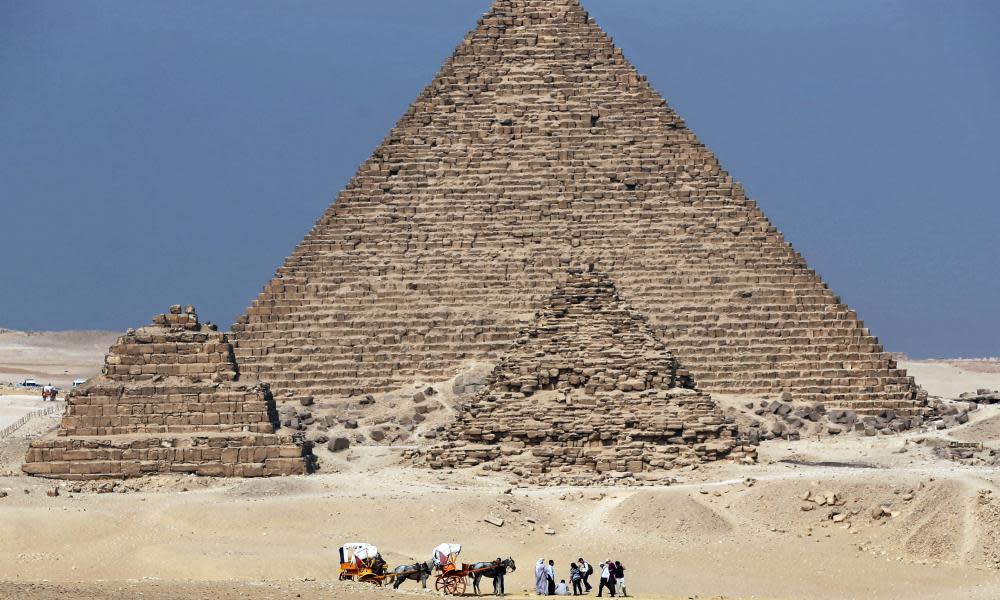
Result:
[[587, 387], [170, 400], [539, 147]]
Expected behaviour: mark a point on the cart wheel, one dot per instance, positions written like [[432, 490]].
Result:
[[439, 583], [459, 588]]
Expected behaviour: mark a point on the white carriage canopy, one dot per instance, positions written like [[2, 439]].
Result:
[[357, 551], [446, 553]]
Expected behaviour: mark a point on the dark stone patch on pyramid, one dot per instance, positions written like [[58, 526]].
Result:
[[537, 147], [587, 389]]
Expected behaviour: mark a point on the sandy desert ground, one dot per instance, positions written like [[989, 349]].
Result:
[[56, 357], [720, 531]]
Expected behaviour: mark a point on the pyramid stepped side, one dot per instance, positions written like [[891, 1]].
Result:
[[170, 399], [176, 376], [588, 389], [537, 147]]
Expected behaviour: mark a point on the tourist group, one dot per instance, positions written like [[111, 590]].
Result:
[[611, 571]]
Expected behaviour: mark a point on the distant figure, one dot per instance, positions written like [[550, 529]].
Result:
[[541, 576], [47, 392], [550, 572], [576, 577], [586, 570], [620, 579], [562, 589]]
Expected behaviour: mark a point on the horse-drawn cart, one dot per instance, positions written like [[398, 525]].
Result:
[[362, 562], [452, 575]]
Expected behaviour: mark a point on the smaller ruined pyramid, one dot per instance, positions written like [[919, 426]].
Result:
[[586, 338], [588, 388], [170, 400]]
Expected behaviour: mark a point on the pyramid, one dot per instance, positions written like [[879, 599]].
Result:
[[539, 147], [588, 388], [170, 400]]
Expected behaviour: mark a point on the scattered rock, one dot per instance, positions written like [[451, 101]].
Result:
[[492, 520], [338, 444]]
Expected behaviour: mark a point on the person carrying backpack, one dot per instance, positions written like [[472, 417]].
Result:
[[586, 570]]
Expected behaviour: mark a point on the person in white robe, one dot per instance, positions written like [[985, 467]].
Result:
[[541, 578]]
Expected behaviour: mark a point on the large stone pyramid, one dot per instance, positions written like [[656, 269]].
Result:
[[537, 147], [170, 400], [587, 388]]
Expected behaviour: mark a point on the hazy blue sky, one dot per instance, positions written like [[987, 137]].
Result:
[[160, 152]]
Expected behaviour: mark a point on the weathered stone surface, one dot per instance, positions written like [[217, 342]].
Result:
[[556, 400], [170, 399], [338, 444], [538, 146]]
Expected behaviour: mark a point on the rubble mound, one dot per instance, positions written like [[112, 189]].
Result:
[[170, 400], [790, 420], [981, 396], [587, 389]]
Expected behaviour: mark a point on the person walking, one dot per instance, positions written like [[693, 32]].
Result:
[[620, 579], [606, 580], [576, 578], [586, 570], [551, 573], [612, 576]]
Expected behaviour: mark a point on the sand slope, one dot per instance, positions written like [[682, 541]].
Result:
[[721, 531]]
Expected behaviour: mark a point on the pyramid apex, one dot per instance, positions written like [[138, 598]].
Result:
[[534, 8]]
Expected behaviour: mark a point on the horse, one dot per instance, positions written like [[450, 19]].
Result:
[[417, 572], [496, 573]]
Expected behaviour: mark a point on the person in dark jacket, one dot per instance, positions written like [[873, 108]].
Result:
[[620, 579], [576, 578], [550, 572]]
